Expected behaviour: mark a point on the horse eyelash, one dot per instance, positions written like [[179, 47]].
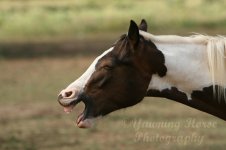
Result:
[[108, 67]]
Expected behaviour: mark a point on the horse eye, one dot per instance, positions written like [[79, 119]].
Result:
[[108, 67]]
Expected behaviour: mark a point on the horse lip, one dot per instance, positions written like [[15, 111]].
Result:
[[65, 102]]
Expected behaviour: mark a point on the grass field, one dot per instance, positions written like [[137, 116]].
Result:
[[26, 20], [32, 119]]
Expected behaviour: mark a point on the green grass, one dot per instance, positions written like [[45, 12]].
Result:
[[51, 19], [32, 119]]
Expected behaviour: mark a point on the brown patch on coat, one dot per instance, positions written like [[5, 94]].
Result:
[[202, 100]]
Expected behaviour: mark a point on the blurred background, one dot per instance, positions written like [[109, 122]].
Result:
[[47, 44]]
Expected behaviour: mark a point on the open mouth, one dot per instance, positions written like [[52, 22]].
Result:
[[83, 119]]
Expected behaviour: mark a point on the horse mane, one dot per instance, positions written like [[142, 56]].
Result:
[[216, 55], [216, 51], [196, 38]]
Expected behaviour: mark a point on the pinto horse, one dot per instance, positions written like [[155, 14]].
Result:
[[189, 70]]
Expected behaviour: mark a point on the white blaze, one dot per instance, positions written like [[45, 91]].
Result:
[[80, 83]]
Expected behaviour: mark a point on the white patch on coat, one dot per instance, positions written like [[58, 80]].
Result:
[[192, 62], [187, 68]]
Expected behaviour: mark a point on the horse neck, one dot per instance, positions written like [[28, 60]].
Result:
[[187, 68]]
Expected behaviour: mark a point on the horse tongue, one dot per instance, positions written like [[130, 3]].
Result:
[[68, 109]]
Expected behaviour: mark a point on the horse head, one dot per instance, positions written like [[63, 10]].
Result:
[[117, 79]]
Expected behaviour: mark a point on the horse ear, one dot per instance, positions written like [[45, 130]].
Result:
[[143, 25], [133, 33]]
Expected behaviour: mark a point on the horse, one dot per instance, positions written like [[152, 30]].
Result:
[[187, 69]]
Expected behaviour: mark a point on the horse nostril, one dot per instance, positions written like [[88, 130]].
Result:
[[68, 94]]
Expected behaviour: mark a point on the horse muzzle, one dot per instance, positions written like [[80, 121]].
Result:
[[69, 99]]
